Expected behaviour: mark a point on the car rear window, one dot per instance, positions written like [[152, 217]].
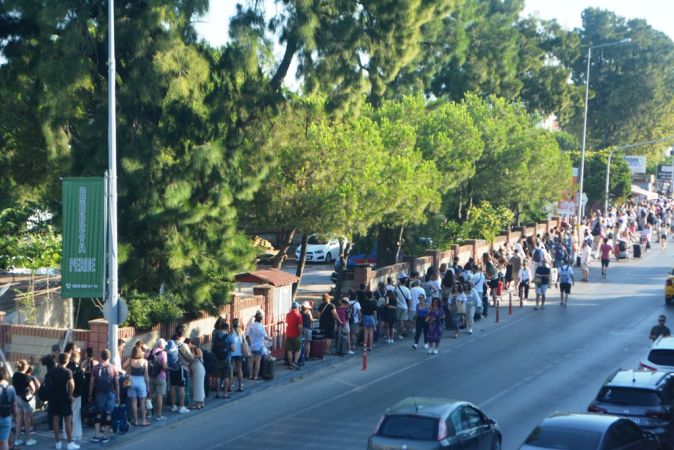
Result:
[[628, 396], [662, 357], [563, 438], [409, 427]]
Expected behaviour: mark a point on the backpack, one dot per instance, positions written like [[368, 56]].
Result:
[[5, 404], [560, 253], [103, 379], [564, 275], [596, 229], [220, 348], [154, 366], [210, 362], [172, 355], [349, 313], [538, 255], [118, 419]]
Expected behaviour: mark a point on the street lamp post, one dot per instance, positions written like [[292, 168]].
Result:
[[608, 176], [582, 150]]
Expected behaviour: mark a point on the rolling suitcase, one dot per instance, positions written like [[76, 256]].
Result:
[[636, 250], [342, 343], [317, 350], [267, 364]]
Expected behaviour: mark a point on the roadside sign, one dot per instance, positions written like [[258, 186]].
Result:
[[664, 172], [637, 163], [83, 255]]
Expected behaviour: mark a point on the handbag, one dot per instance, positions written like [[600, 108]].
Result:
[[460, 308], [245, 348], [537, 279], [148, 404]]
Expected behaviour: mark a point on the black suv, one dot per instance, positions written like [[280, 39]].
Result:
[[645, 397]]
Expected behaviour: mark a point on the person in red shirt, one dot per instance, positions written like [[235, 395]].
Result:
[[605, 251], [293, 333]]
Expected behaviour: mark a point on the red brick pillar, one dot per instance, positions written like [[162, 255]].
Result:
[[98, 336], [267, 293], [362, 275]]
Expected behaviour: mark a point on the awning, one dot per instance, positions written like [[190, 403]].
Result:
[[274, 277], [638, 190]]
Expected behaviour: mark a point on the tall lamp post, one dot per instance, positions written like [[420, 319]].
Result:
[[582, 150]]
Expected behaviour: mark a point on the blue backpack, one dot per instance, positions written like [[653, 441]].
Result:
[[538, 255], [172, 355], [118, 419]]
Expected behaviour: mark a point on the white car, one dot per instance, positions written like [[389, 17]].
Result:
[[321, 248], [661, 355]]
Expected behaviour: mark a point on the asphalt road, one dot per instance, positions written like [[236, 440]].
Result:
[[531, 364]]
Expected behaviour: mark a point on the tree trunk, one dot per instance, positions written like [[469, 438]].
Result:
[[282, 254], [301, 262], [399, 243], [387, 245], [518, 214]]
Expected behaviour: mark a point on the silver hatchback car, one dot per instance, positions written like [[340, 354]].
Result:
[[429, 423]]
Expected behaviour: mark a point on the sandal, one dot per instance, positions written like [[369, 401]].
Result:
[[226, 396], [240, 389], [146, 424]]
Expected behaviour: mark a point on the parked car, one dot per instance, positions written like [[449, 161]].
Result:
[[669, 288], [429, 423], [321, 248], [645, 397], [356, 259], [660, 356], [575, 431]]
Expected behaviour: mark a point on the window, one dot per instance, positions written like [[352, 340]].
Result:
[[473, 417], [409, 427], [662, 357], [628, 396], [626, 432], [563, 438], [455, 419]]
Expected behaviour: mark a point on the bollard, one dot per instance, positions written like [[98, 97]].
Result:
[[364, 360], [521, 302], [510, 303], [498, 318]]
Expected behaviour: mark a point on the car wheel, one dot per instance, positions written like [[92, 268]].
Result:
[[328, 258], [496, 445]]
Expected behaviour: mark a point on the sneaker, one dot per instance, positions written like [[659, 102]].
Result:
[[57, 446], [183, 410], [104, 440], [174, 408], [435, 351], [30, 442], [95, 439], [430, 352], [414, 346], [351, 352], [470, 330], [72, 446], [18, 442], [160, 418], [425, 345], [400, 336], [297, 366]]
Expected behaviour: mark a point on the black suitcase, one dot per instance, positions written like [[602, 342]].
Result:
[[342, 344], [267, 364], [636, 250]]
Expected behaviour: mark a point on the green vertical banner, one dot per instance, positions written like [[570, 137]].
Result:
[[83, 257]]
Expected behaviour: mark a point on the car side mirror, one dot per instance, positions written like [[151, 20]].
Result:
[[491, 421]]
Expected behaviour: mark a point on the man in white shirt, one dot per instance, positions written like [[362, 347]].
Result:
[[415, 292], [357, 318], [477, 281], [404, 298]]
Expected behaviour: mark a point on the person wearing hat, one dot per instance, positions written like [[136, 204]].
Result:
[[293, 332]]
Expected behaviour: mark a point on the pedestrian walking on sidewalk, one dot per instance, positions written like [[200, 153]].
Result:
[[525, 279], [473, 302], [458, 309], [104, 385], [585, 257], [25, 390], [605, 251], [566, 280], [61, 388], [435, 319], [390, 315], [542, 281], [404, 298], [421, 325]]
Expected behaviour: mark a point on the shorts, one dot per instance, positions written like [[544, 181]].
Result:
[[138, 387], [410, 314], [329, 332], [224, 369], [62, 407], [355, 329], [293, 344], [306, 334], [401, 314], [256, 352], [178, 377], [5, 427], [369, 322], [105, 403], [158, 386], [23, 405], [604, 262], [541, 289], [565, 288]]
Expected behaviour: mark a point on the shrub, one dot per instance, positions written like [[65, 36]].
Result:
[[147, 310]]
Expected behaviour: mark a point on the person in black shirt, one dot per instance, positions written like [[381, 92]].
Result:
[[61, 388], [23, 385], [660, 329], [368, 308], [542, 280]]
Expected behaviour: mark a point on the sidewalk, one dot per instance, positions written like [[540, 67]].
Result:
[[285, 376]]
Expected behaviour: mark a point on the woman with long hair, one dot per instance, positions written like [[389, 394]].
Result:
[[25, 389], [136, 367], [237, 352], [198, 371], [435, 317]]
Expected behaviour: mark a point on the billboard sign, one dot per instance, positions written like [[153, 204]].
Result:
[[83, 256], [637, 163], [664, 172]]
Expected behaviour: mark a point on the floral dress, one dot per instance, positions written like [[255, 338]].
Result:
[[435, 326]]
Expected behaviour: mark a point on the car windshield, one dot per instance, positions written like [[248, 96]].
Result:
[[628, 396], [318, 239], [662, 357], [563, 438], [409, 427]]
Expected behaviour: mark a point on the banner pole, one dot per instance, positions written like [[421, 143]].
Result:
[[112, 189]]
